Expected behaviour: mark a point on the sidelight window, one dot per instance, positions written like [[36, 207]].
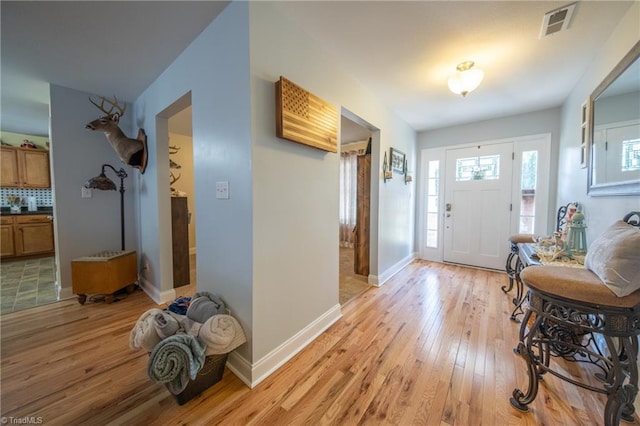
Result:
[[528, 183], [433, 185]]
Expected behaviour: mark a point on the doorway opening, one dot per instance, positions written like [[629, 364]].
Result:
[[28, 271], [182, 188], [355, 184]]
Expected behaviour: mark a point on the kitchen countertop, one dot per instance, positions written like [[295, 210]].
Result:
[[5, 211]]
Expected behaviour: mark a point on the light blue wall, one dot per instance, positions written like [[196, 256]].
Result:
[[614, 109], [296, 188], [271, 250], [215, 70], [85, 226], [600, 212]]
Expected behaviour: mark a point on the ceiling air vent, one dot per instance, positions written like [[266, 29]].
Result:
[[557, 20]]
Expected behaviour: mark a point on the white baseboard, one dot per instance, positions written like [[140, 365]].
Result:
[[264, 367], [65, 293], [378, 280], [240, 367], [154, 294]]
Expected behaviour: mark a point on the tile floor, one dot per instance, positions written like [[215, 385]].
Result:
[[27, 283], [351, 284]]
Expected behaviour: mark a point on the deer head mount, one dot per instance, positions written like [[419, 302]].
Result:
[[131, 151]]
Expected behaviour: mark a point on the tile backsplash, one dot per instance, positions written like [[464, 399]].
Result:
[[43, 196]]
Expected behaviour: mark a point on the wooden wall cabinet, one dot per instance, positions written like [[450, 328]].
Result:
[[180, 241], [363, 216], [24, 168], [27, 235]]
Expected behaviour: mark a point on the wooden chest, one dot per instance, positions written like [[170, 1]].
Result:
[[103, 273]]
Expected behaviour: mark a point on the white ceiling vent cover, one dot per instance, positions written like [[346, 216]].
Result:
[[557, 20]]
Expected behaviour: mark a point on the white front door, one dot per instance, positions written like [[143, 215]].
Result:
[[477, 216]]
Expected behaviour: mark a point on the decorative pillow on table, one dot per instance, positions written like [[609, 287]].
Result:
[[615, 258]]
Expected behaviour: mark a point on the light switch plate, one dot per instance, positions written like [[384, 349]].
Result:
[[86, 192], [222, 190]]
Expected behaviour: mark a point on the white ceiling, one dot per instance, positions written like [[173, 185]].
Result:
[[402, 51]]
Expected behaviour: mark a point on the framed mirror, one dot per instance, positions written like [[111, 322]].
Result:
[[614, 131]]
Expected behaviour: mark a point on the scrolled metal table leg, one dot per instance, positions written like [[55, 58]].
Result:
[[510, 269], [519, 399], [620, 393], [521, 296]]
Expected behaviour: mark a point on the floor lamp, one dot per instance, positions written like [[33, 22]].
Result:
[[103, 183]]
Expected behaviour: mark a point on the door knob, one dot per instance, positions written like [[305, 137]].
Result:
[[447, 207]]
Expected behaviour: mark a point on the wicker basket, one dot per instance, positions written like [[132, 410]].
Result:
[[209, 375]]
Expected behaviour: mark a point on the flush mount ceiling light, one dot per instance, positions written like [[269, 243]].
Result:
[[466, 79]]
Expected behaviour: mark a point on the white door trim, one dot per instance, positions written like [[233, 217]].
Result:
[[521, 143]]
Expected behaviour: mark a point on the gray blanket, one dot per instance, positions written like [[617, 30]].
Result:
[[204, 305], [176, 359], [221, 334]]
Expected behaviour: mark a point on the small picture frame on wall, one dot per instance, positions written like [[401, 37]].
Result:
[[397, 161]]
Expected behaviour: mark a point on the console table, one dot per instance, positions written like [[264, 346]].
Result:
[[527, 256], [572, 315]]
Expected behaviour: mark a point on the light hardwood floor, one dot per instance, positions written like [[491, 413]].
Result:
[[431, 346], [350, 283]]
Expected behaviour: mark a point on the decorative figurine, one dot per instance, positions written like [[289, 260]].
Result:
[[577, 239]]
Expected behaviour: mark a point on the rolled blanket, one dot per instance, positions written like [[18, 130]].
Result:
[[166, 324], [204, 305], [143, 335], [176, 359], [221, 334]]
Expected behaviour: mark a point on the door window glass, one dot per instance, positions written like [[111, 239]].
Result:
[[433, 185], [478, 168], [528, 184], [631, 155]]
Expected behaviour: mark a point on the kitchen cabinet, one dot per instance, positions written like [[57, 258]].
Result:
[[7, 247], [24, 168], [27, 235]]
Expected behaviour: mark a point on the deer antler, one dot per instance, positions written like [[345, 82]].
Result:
[[173, 179], [114, 104]]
